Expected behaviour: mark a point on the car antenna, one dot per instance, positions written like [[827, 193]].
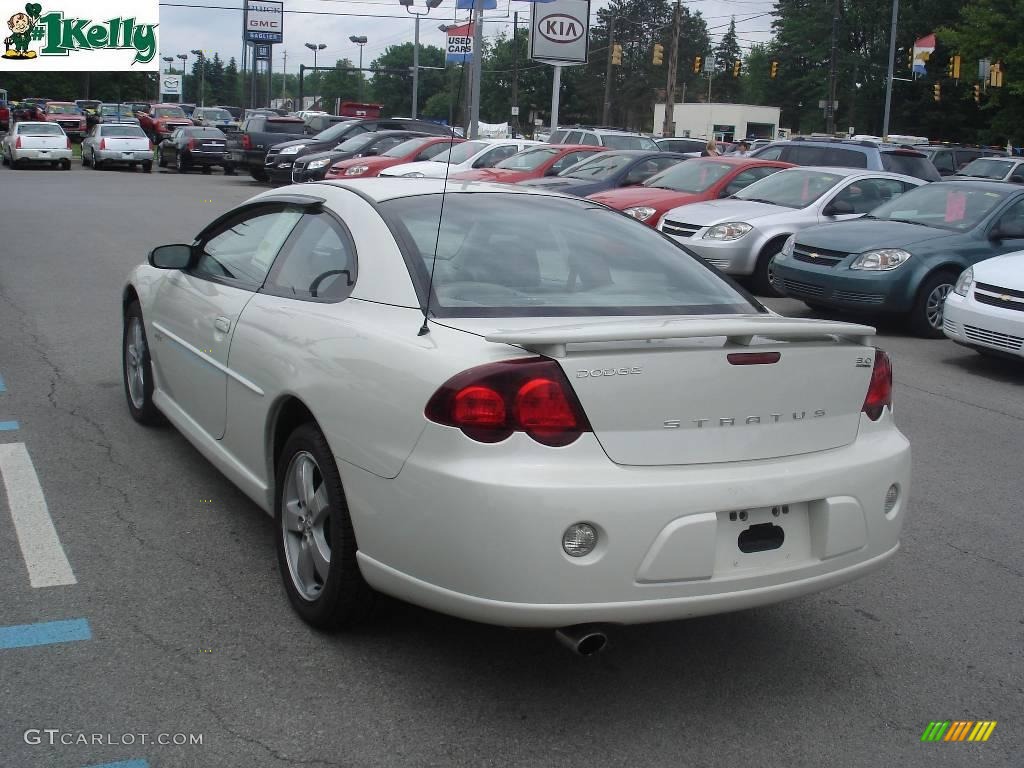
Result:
[[424, 329]]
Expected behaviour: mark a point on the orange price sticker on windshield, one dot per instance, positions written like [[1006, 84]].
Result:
[[956, 206]]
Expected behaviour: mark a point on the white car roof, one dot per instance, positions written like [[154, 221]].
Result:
[[843, 171], [379, 189]]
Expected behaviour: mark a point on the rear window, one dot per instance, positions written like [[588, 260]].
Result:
[[124, 131], [502, 255], [557, 137], [835, 156], [168, 112], [614, 141], [283, 126], [910, 164], [206, 133], [528, 160], [41, 129]]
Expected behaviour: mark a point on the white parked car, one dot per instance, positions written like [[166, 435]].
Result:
[[537, 412], [741, 234], [985, 310], [30, 142], [113, 144], [479, 153]]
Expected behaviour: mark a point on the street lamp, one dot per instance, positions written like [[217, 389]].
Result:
[[184, 73], [314, 47], [202, 73], [169, 60], [431, 5], [359, 40]]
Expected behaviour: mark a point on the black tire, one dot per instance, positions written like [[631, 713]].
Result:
[[147, 167], [760, 282], [85, 159], [181, 166], [229, 170], [96, 164], [131, 166], [259, 174], [923, 320], [65, 164], [3, 159], [344, 599], [145, 412], [162, 162], [207, 170]]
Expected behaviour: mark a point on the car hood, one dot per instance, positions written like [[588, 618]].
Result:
[[654, 197], [376, 161], [506, 175], [1006, 271], [861, 235], [581, 187], [426, 167], [712, 212], [332, 155], [306, 144]]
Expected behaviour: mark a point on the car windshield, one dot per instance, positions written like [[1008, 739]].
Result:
[[334, 132], [910, 164], [690, 176], [168, 112], [62, 109], [461, 153], [946, 206], [615, 141], [357, 142], [986, 169], [503, 255], [114, 110], [124, 131], [603, 166], [528, 160], [282, 126], [795, 188], [215, 114], [403, 149], [40, 129]]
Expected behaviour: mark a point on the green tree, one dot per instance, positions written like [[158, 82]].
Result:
[[394, 89], [726, 87]]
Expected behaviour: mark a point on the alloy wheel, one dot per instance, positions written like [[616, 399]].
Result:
[[305, 525], [935, 303], [135, 369]]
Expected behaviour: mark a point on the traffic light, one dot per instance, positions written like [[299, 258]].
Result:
[[773, 71], [616, 54], [953, 67], [995, 75], [697, 61], [737, 67], [977, 93], [937, 92], [659, 52], [910, 57]]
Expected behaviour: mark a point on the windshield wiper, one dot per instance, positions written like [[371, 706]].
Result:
[[758, 200]]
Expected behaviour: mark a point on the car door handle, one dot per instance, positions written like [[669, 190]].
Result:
[[222, 324]]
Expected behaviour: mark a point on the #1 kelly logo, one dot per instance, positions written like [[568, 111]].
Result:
[[60, 36]]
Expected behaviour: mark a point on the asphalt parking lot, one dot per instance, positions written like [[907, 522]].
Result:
[[183, 626]]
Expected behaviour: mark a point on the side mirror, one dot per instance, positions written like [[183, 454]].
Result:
[[838, 208], [178, 256]]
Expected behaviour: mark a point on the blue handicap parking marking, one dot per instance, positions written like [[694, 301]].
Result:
[[8, 426], [44, 633], [122, 764], [3, 387]]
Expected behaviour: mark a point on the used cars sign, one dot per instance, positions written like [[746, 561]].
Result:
[[559, 31]]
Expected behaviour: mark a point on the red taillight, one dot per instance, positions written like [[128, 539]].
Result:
[[17, 144], [191, 143], [880, 390], [490, 402], [103, 144], [69, 142], [246, 142]]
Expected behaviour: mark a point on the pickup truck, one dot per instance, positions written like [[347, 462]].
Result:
[[161, 120], [248, 147], [68, 116]]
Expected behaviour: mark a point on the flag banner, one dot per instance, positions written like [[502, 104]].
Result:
[[460, 43], [923, 49]]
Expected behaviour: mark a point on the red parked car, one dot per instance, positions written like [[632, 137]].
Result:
[[532, 163], [159, 121], [411, 151], [67, 114], [691, 181]]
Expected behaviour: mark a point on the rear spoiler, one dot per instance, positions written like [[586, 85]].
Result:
[[740, 331]]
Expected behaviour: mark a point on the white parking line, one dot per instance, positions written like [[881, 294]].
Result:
[[47, 564]]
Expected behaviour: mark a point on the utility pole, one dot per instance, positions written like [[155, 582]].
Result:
[[892, 65], [476, 69], [515, 74], [284, 77], [669, 126], [606, 114], [830, 107]]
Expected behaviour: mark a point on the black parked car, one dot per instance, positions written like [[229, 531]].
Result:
[[608, 170], [281, 157], [192, 147], [314, 167]]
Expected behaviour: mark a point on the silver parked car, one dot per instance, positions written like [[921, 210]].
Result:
[[742, 233], [117, 144]]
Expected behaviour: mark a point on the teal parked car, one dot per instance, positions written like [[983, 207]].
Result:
[[905, 256]]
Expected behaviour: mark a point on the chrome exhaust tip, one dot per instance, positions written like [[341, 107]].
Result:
[[583, 639]]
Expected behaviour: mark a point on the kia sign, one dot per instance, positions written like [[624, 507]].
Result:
[[264, 21], [559, 31], [460, 43], [170, 85]]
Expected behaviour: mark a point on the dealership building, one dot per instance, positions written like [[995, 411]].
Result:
[[726, 122]]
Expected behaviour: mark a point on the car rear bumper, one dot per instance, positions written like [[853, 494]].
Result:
[[879, 292], [128, 156], [247, 158], [484, 541], [975, 325], [40, 155], [207, 158]]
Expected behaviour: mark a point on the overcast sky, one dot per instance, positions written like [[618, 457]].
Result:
[[183, 29]]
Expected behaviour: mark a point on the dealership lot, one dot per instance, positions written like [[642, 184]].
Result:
[[189, 632]]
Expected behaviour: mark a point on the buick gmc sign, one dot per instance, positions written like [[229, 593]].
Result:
[[264, 21], [559, 31]]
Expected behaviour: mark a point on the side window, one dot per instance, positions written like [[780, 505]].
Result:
[[568, 160], [745, 178], [1011, 223], [847, 158], [317, 264], [243, 249], [495, 156], [965, 156], [433, 149], [643, 170], [770, 153], [573, 137], [557, 137], [382, 146], [589, 139], [943, 161], [865, 195]]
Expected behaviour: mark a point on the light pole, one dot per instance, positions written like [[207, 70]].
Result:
[[169, 60], [184, 72], [431, 5], [359, 40], [314, 47], [202, 74]]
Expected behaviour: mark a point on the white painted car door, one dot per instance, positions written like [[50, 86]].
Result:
[[194, 311]]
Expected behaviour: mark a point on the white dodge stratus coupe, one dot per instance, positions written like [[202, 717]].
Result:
[[514, 407]]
